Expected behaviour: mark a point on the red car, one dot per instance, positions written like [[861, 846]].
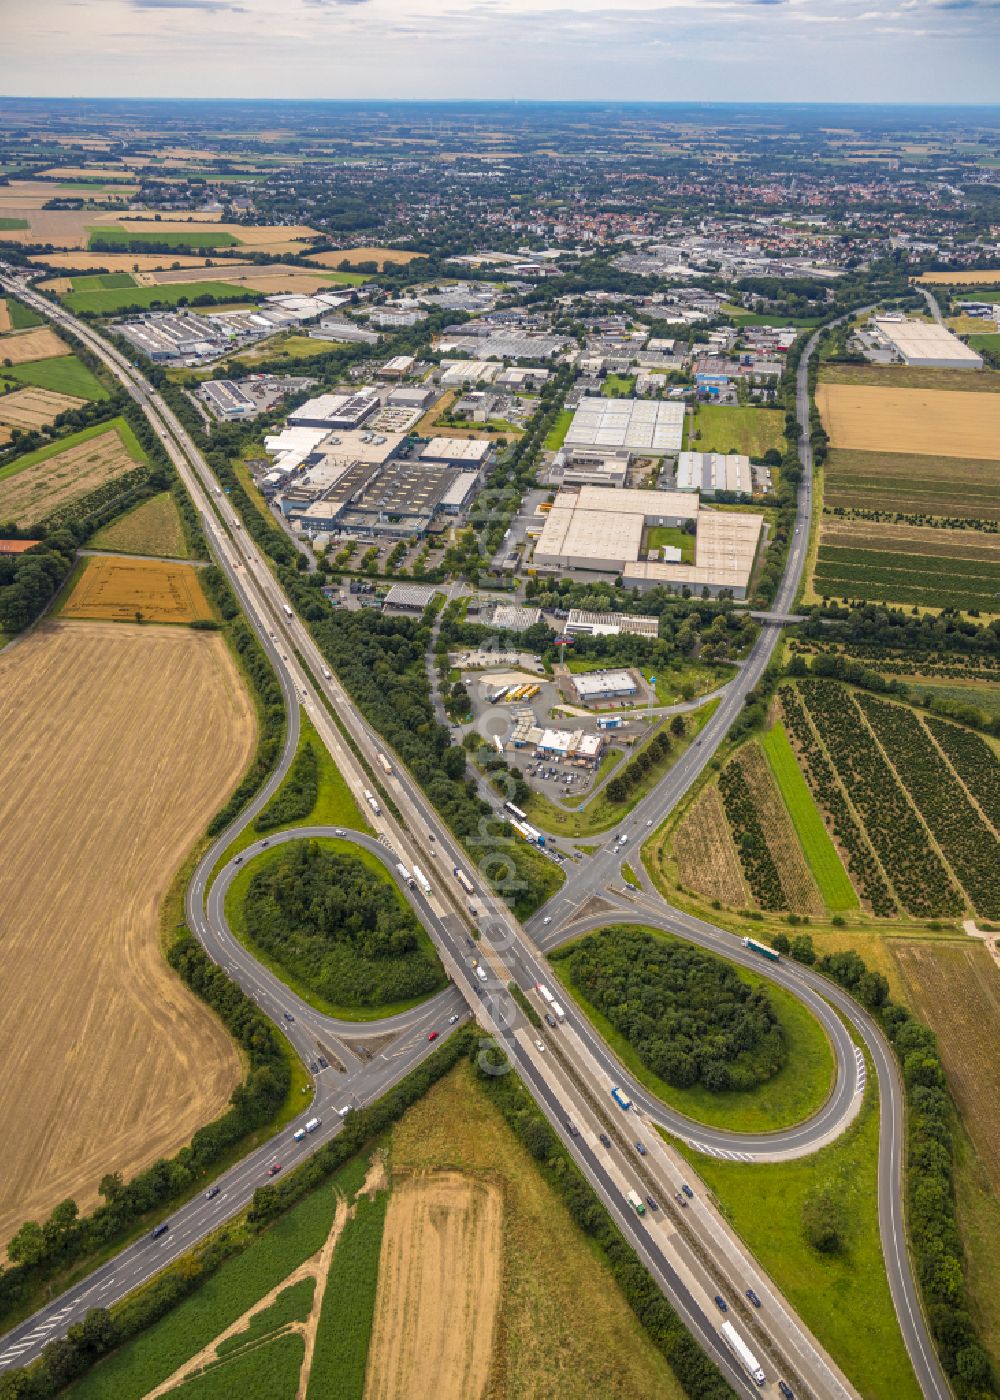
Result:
[[433, 1035], [274, 1169]]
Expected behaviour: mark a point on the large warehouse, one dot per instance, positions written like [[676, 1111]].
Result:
[[626, 427], [605, 531], [927, 343], [711, 472]]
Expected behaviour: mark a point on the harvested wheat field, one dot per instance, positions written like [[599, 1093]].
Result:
[[922, 421], [119, 744], [38, 343], [707, 859], [274, 278], [117, 589], [35, 492], [35, 408], [986, 277], [439, 1283], [5, 321], [118, 262], [955, 988], [364, 255]]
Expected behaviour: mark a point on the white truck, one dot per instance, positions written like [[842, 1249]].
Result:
[[313, 1124], [372, 801], [421, 879], [464, 880], [743, 1354], [327, 674], [545, 994], [384, 763], [635, 1201], [404, 874], [287, 610], [558, 1012], [481, 973]]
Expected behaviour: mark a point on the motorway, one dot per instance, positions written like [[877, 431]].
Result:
[[505, 949]]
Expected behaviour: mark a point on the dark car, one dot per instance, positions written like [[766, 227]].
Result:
[[640, 1149], [687, 1190], [720, 1303], [753, 1297], [160, 1230], [289, 1017], [550, 1020], [680, 1199], [274, 1169], [322, 1063], [212, 1192], [313, 1067], [605, 1140], [786, 1390], [571, 1128], [651, 1203]]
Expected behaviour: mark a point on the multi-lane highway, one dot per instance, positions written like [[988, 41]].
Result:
[[505, 953]]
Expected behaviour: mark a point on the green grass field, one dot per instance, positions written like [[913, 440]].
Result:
[[989, 343], [65, 374], [844, 1299], [345, 1322], [716, 428], [103, 279], [618, 386], [104, 301], [268, 1371], [743, 317], [798, 1090], [821, 855], [671, 535], [156, 1353], [113, 236], [22, 318], [153, 527], [291, 1305], [42, 454], [9, 225], [556, 435]]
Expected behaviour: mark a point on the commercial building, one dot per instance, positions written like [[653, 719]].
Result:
[[227, 400], [603, 531], [410, 396], [626, 427], [349, 332], [335, 410], [505, 345], [568, 743], [589, 469], [711, 472], [926, 343], [412, 597], [512, 617], [592, 686], [455, 373], [397, 368], [594, 624]]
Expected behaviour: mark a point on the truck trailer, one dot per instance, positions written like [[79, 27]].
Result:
[[372, 801], [622, 1100], [384, 763], [421, 879], [743, 1354], [635, 1201], [762, 949], [404, 874]]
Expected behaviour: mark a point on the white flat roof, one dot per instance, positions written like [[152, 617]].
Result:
[[926, 341], [455, 449], [603, 683], [632, 425]]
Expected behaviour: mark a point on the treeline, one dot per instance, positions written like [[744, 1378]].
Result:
[[30, 580], [339, 928], [886, 630], [102, 1331], [697, 1375], [264, 687], [623, 784], [297, 795], [932, 1220], [42, 1252], [689, 1016]]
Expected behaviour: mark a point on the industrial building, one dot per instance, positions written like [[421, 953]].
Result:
[[411, 597], [604, 531], [505, 345], [455, 373], [335, 410], [926, 343], [397, 368], [591, 686], [349, 332], [593, 624], [711, 472], [512, 617], [626, 427], [470, 453], [227, 400], [171, 336], [583, 468]]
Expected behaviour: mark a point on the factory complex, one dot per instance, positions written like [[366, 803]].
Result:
[[925, 343], [606, 531]]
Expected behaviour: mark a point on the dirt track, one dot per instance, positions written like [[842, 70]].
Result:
[[438, 1290], [119, 743]]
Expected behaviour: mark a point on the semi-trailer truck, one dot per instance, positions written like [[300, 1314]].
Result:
[[288, 611], [622, 1100], [558, 1012], [464, 880], [635, 1201], [762, 949], [545, 994], [743, 1354], [404, 874], [386, 766], [421, 879], [372, 801]]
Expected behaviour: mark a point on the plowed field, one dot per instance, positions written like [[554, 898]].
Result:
[[39, 343], [119, 588], [35, 408], [119, 743]]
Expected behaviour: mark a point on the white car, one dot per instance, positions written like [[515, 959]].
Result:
[[540, 1045], [547, 919]]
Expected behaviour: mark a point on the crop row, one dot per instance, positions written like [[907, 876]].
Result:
[[861, 861], [751, 843], [900, 561], [892, 825], [969, 846], [345, 1323], [974, 762]]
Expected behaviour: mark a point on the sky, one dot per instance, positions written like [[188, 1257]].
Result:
[[925, 51]]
